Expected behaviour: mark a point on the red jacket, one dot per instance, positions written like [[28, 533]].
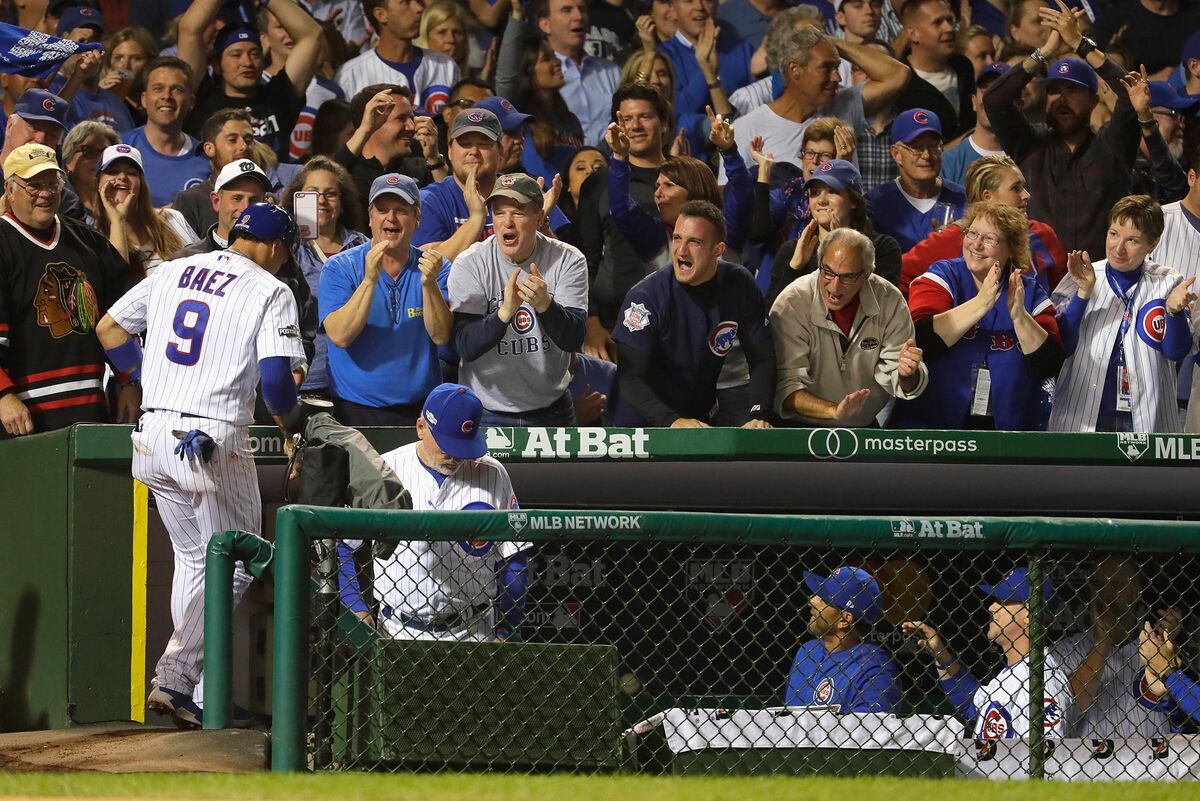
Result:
[[1049, 258]]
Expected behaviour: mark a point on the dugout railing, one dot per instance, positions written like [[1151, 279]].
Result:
[[665, 641]]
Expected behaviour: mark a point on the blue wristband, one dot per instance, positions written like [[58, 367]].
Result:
[[126, 357]]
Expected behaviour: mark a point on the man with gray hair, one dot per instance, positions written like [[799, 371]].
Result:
[[844, 339], [762, 91], [808, 62]]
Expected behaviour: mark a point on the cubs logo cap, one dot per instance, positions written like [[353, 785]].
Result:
[[510, 118], [30, 160], [518, 186], [235, 34], [38, 104], [1014, 589], [837, 174], [476, 120], [913, 122], [991, 73], [1076, 71], [238, 169], [850, 589], [114, 153], [79, 17], [265, 221], [452, 413], [393, 183]]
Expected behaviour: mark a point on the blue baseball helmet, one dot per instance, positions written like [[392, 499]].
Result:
[[265, 221]]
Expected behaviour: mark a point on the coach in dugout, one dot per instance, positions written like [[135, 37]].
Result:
[[1000, 708], [843, 339], [837, 668]]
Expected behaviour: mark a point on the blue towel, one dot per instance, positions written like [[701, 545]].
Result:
[[35, 55]]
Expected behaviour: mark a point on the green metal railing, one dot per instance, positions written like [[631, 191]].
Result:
[[298, 526]]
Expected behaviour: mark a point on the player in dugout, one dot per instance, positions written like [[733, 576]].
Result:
[[1000, 708], [837, 667]]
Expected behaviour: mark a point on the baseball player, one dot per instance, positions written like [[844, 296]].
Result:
[[1000, 708], [1102, 661], [1124, 322], [466, 589], [838, 668], [213, 324]]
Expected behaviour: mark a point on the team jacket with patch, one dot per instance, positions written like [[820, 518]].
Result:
[[1080, 385], [859, 679], [1015, 393], [52, 295], [1000, 708]]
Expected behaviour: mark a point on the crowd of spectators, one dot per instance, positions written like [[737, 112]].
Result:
[[974, 215]]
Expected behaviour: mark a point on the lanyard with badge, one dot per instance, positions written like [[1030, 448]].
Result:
[[1124, 402]]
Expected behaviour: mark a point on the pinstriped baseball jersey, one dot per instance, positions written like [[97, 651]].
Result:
[[1081, 383], [1179, 249], [1116, 711], [430, 86], [433, 580], [1002, 705], [209, 319]]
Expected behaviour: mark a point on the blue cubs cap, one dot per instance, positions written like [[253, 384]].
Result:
[[1014, 588], [1074, 70], [452, 413], [506, 112], [850, 589], [233, 34], [393, 183], [1163, 95], [38, 104], [265, 221], [910, 124], [79, 17], [838, 174], [991, 73]]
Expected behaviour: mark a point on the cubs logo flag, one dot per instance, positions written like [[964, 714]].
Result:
[[34, 54]]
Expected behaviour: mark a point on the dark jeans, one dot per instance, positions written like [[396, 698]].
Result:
[[353, 414], [559, 413]]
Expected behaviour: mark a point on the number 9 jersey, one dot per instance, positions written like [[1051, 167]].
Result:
[[209, 319]]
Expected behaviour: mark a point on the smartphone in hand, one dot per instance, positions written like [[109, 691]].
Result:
[[304, 207]]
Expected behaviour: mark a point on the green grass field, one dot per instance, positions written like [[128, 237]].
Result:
[[479, 787]]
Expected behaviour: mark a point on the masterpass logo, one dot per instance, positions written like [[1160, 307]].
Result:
[[833, 443]]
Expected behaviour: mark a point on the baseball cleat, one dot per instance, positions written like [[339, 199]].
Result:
[[186, 714]]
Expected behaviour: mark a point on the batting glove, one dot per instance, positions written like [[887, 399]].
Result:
[[195, 444]]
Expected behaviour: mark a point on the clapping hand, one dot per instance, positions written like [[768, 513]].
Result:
[[1079, 265], [1182, 297], [722, 132]]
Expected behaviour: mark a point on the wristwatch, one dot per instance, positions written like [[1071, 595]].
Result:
[[1037, 56], [1086, 46], [440, 164]]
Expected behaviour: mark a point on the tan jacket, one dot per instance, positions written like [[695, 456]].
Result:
[[810, 356]]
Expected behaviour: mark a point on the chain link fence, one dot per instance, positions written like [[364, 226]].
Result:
[[670, 642]]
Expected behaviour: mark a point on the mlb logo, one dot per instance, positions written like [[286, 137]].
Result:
[[499, 440], [637, 317], [1133, 446], [903, 528], [517, 521]]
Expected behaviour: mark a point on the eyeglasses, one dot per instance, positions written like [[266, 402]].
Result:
[[845, 278], [816, 155], [1169, 113], [332, 194], [40, 188], [462, 103], [928, 150], [989, 240]]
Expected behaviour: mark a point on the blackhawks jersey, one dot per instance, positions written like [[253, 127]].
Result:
[[52, 295]]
